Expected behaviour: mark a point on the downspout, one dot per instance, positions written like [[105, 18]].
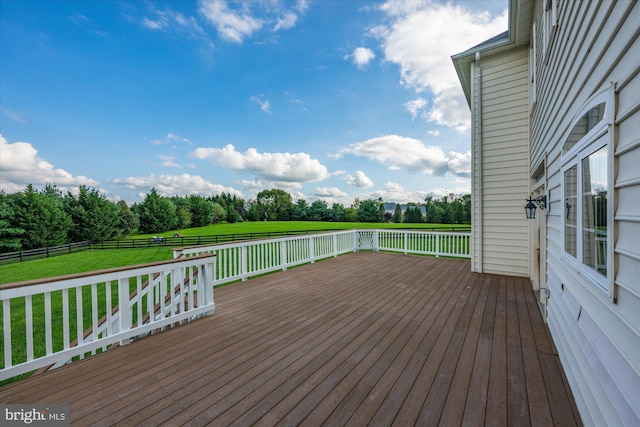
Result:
[[479, 142]]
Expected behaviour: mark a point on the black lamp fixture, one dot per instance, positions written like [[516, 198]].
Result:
[[530, 207]]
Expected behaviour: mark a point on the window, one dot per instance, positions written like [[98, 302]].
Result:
[[586, 189]]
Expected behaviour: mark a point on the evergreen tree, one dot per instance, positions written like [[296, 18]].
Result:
[[157, 214], [9, 235], [413, 214], [127, 220], [183, 219], [338, 212], [42, 219], [318, 211], [370, 211], [93, 217], [397, 214], [201, 211], [299, 211]]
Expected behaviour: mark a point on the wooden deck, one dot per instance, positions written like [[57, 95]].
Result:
[[364, 339]]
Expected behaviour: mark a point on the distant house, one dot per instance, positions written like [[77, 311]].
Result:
[[391, 208], [555, 105]]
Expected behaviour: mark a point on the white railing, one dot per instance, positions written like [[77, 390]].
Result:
[[126, 303], [94, 311], [241, 260]]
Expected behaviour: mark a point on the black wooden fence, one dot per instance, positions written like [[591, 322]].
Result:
[[30, 254]]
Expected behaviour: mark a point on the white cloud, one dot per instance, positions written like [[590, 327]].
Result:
[[397, 152], [173, 185], [154, 25], [286, 21], [241, 21], [329, 192], [460, 163], [439, 192], [232, 25], [361, 56], [421, 37], [169, 161], [171, 139], [397, 193], [178, 138], [415, 107], [359, 179], [13, 115], [272, 167], [264, 105], [167, 20], [21, 165]]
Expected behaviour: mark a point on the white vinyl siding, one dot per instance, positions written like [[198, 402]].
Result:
[[597, 334], [505, 159]]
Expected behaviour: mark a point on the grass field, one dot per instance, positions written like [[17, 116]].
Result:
[[272, 226], [96, 259]]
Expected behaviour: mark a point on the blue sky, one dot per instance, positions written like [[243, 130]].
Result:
[[327, 100]]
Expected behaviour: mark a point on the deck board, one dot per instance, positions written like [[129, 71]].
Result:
[[363, 339]]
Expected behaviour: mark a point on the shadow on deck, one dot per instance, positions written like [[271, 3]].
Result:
[[366, 338]]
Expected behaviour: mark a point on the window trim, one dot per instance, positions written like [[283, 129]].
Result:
[[582, 149]]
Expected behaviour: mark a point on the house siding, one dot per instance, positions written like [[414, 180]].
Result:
[[505, 160], [596, 45]]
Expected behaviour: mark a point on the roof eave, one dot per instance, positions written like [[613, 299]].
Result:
[[520, 13]]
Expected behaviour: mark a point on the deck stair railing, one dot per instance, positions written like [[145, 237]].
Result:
[[44, 322], [158, 295]]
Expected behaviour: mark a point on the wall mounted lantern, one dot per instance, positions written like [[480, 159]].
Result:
[[530, 207]]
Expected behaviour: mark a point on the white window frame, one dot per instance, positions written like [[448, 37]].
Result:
[[586, 146]]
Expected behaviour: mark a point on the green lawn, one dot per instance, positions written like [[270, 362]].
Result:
[[273, 226], [80, 262], [96, 259]]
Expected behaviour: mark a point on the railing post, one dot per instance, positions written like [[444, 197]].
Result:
[[312, 249], [335, 245], [207, 285], [283, 254], [376, 246], [124, 318], [406, 242], [244, 268], [438, 245], [356, 235]]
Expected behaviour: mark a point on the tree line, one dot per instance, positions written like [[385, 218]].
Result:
[[33, 218]]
